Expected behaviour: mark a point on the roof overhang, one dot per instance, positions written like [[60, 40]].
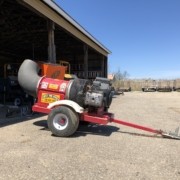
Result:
[[53, 12]]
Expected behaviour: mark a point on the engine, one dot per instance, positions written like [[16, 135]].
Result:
[[97, 93], [86, 93], [100, 94]]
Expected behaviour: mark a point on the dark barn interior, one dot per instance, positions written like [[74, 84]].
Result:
[[28, 34]]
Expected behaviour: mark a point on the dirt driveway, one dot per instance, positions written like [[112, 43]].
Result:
[[29, 151]]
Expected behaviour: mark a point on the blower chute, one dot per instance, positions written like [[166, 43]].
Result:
[[68, 102]]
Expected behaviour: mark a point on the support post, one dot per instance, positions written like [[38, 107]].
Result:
[[51, 44], [102, 67], [105, 67], [85, 61]]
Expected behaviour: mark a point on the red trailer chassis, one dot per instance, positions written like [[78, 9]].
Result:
[[104, 118]]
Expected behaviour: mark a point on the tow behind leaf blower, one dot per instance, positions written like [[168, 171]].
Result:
[[68, 102]]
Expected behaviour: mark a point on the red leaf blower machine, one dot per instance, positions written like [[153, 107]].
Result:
[[69, 101]]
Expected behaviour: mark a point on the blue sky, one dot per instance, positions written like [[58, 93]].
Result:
[[143, 35]]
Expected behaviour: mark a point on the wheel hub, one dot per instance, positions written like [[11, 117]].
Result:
[[60, 121]]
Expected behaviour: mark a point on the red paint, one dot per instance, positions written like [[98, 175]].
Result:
[[108, 117], [136, 126]]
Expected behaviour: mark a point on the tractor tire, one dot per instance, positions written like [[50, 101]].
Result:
[[63, 121]]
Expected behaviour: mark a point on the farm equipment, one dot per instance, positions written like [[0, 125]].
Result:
[[68, 102], [164, 86], [125, 86], [176, 85], [149, 86], [10, 91]]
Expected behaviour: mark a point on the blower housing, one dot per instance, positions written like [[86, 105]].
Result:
[[86, 93]]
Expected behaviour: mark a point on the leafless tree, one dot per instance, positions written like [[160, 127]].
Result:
[[121, 75]]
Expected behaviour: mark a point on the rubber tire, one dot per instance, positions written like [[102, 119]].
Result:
[[18, 101], [72, 117]]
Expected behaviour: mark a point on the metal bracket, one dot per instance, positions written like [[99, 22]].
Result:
[[172, 135]]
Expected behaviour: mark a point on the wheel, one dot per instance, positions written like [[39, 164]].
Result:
[[18, 101], [63, 121]]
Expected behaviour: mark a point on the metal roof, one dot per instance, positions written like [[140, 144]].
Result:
[[66, 16]]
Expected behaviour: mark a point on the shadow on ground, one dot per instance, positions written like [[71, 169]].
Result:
[[85, 129], [141, 135], [96, 129], [18, 119]]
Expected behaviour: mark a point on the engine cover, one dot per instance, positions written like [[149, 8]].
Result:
[[103, 85], [94, 99]]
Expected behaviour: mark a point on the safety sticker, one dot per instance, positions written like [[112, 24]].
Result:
[[44, 85], [63, 87], [49, 98], [53, 86]]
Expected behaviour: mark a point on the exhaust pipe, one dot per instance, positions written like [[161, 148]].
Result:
[[28, 77]]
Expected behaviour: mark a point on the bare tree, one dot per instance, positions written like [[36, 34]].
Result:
[[121, 75], [125, 75]]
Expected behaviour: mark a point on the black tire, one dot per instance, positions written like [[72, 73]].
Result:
[[18, 101], [63, 121]]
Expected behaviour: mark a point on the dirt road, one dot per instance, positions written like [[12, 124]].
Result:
[[29, 151]]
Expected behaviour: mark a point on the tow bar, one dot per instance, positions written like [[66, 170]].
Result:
[[170, 135], [109, 117]]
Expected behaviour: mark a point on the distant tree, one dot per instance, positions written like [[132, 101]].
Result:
[[118, 75], [125, 75], [121, 75]]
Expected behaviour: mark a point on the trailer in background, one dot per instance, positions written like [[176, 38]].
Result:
[[149, 86], [176, 85], [165, 86], [125, 86]]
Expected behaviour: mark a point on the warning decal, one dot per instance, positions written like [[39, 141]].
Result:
[[49, 98]]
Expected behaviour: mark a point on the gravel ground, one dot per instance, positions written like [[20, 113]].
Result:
[[29, 151]]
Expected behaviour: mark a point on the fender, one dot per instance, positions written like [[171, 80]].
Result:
[[69, 103]]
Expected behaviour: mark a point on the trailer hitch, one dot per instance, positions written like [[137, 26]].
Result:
[[172, 135]]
